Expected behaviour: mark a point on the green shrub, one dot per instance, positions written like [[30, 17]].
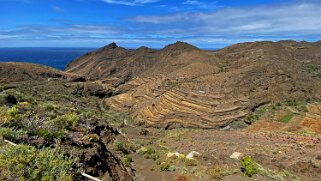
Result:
[[26, 163], [190, 162], [48, 106], [51, 115], [215, 173], [121, 146], [11, 134], [47, 134], [3, 98], [127, 160], [66, 121], [249, 167], [24, 105], [9, 115], [87, 114], [13, 112], [148, 153], [20, 97], [260, 111], [312, 68], [165, 166], [286, 118]]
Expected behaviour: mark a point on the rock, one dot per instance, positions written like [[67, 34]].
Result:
[[11, 99], [237, 156], [192, 155], [144, 132], [8, 99], [173, 155]]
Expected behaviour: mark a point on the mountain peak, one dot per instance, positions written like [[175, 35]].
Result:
[[179, 45], [112, 45], [144, 49]]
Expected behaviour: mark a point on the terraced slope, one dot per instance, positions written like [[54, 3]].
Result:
[[181, 85]]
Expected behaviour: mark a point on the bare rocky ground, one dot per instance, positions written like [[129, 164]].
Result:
[[281, 155]]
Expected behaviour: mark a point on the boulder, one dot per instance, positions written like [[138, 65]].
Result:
[[173, 155], [236, 156], [193, 154]]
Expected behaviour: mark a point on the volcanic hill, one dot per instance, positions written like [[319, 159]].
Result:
[[182, 85]]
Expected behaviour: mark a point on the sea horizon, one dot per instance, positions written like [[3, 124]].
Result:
[[55, 57]]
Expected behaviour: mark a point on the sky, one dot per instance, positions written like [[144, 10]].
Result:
[[156, 23]]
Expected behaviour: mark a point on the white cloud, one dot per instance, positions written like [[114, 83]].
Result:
[[298, 18], [202, 5], [130, 2], [57, 9]]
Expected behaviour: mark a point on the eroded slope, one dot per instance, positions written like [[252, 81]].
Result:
[[181, 85]]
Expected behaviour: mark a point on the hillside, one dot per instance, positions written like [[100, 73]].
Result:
[[60, 126], [64, 124], [181, 85]]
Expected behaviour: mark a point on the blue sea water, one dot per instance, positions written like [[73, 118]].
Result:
[[53, 57]]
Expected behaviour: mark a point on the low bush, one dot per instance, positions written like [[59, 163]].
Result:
[[12, 134], [26, 163], [164, 166], [249, 167], [66, 121], [190, 162], [47, 134], [148, 153], [286, 118], [121, 146], [215, 173], [127, 161], [48, 106], [9, 116]]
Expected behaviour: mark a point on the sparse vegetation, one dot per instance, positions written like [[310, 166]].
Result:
[[149, 153], [260, 111], [215, 173], [127, 161], [48, 106], [121, 146], [249, 167], [286, 118], [47, 134], [190, 162], [164, 166], [66, 121], [313, 68]]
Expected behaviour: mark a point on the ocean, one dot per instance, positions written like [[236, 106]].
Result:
[[53, 57]]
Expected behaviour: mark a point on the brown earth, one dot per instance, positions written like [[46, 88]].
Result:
[[181, 85]]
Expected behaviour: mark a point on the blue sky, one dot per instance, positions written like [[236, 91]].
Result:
[[155, 23]]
